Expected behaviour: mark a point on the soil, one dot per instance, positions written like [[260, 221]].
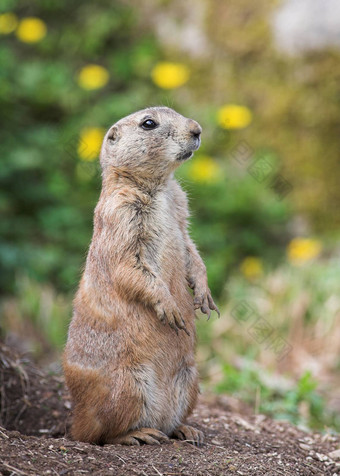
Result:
[[35, 416]]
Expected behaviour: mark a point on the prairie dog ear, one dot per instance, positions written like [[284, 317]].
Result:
[[107, 153], [112, 135]]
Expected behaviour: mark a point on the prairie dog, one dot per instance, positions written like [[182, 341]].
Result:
[[129, 359]]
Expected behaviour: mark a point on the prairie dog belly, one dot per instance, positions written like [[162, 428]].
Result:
[[166, 249], [165, 403]]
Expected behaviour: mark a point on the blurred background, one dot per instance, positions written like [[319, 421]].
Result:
[[263, 80]]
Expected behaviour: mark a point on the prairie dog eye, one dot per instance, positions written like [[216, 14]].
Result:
[[148, 124]]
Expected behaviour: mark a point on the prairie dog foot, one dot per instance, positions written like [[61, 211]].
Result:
[[189, 434], [150, 436]]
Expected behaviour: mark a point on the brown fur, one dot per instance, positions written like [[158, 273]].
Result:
[[129, 359]]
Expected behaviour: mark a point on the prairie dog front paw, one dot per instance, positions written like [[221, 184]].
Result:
[[168, 313], [203, 299]]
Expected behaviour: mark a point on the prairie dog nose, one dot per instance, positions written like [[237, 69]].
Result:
[[195, 128]]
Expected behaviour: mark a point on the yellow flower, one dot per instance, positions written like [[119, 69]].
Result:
[[8, 23], [301, 250], [251, 267], [31, 30], [170, 75], [93, 76], [90, 142], [232, 116], [204, 169]]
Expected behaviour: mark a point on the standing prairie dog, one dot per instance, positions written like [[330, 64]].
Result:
[[129, 359]]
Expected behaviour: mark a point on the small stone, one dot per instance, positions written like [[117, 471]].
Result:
[[321, 457], [335, 455], [307, 440], [217, 442], [328, 437], [241, 422], [305, 447]]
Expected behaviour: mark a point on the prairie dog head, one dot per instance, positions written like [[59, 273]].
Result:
[[150, 143]]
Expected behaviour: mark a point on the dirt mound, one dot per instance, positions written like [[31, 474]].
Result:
[[36, 406], [31, 401]]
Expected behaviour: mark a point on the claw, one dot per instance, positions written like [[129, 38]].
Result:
[[205, 309], [179, 323], [174, 327], [149, 436], [213, 306], [183, 327], [198, 301], [189, 434], [163, 318]]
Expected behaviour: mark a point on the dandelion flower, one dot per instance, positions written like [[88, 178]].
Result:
[[90, 142], [31, 30], [93, 76], [8, 23], [204, 169], [251, 267], [232, 116], [170, 75], [302, 250]]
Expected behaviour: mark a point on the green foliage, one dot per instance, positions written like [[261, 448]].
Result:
[[299, 305], [301, 404], [47, 196], [39, 315]]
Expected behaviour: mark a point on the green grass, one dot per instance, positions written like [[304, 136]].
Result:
[[301, 404]]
